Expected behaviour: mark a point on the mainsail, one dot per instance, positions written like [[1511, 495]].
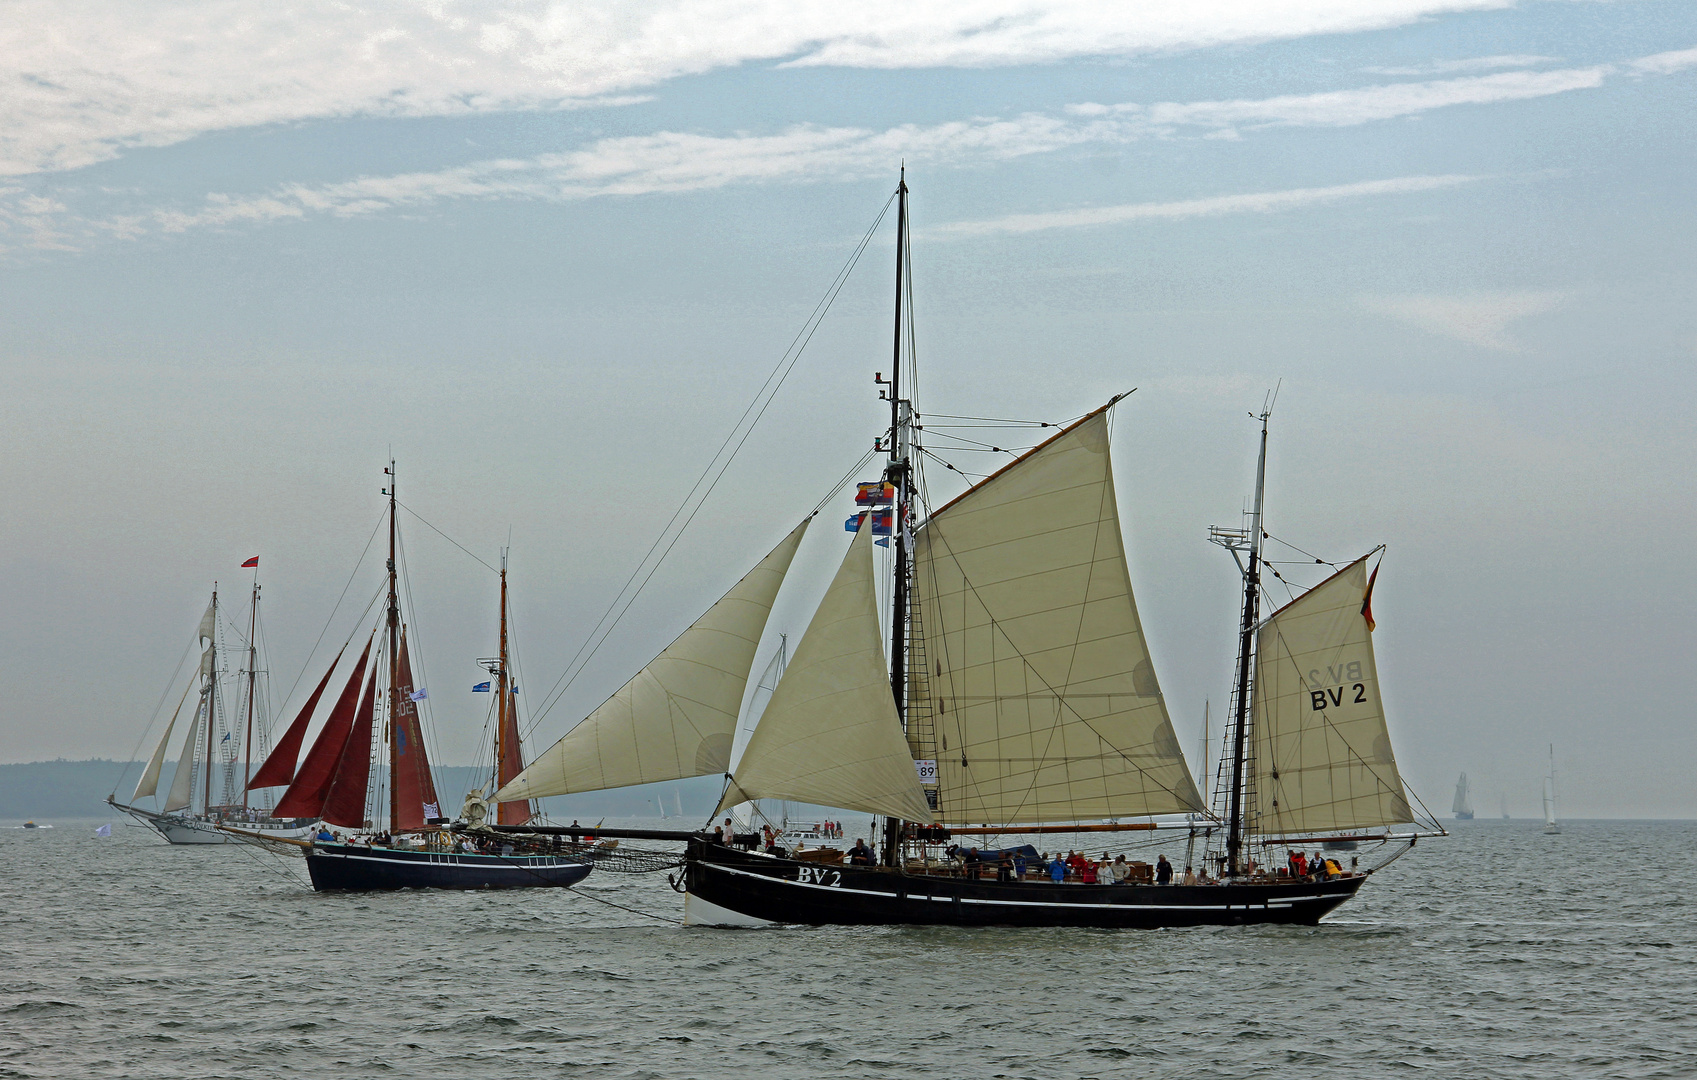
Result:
[[1322, 751], [1462, 804], [279, 768], [676, 717], [414, 787], [306, 794], [830, 734], [1041, 689]]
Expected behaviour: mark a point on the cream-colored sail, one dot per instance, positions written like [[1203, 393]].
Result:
[[830, 735], [148, 785], [209, 621], [182, 783], [677, 717], [1038, 692], [1322, 752]]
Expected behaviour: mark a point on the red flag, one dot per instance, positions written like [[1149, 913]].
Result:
[[1367, 600], [251, 562]]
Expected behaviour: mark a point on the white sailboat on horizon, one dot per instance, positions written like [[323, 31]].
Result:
[[1551, 828]]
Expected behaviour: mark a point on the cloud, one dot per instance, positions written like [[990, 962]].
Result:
[[1261, 202], [1341, 108], [1481, 319], [1475, 63], [82, 80]]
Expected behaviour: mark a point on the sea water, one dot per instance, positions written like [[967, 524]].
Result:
[[1496, 952]]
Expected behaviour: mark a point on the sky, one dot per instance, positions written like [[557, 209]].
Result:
[[545, 254]]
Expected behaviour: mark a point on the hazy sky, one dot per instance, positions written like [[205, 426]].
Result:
[[546, 252]]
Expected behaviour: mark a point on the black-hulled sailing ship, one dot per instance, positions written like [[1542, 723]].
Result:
[[1018, 696], [381, 723], [212, 748]]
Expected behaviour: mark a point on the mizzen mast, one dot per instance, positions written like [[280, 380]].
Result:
[[1237, 543]]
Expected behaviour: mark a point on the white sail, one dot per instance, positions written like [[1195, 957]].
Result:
[[677, 717], [1323, 755], [209, 621], [830, 734], [149, 783], [1037, 681], [182, 783], [1549, 801], [743, 813], [1462, 804], [207, 660]]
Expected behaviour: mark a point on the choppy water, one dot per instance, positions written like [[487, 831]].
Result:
[[1498, 953]]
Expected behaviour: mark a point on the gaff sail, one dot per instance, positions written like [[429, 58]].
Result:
[[344, 803], [1323, 757], [414, 786], [1042, 692], [677, 717]]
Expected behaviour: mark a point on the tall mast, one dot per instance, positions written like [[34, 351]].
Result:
[[211, 700], [501, 685], [252, 663], [394, 657], [1251, 615], [899, 473]]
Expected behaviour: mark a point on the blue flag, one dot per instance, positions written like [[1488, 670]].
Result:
[[480, 688]]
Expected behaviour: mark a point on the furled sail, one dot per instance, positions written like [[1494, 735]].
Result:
[[830, 734], [182, 781], [279, 768], [306, 794], [344, 803], [1037, 681], [414, 786], [148, 785], [1322, 751], [677, 717]]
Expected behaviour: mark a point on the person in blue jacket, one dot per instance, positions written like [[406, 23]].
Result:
[[1058, 870]]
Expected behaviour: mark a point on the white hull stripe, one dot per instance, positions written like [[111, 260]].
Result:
[[1281, 903]]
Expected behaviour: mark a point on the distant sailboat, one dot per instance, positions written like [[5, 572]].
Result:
[[1463, 806], [190, 814], [1550, 825], [1505, 807]]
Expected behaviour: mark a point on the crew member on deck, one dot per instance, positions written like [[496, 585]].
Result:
[[1163, 871], [860, 854]]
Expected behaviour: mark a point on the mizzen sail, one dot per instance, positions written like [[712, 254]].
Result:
[[1042, 693], [830, 734], [1322, 750], [677, 717]]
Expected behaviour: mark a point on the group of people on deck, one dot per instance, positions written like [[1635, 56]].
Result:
[[1315, 867], [1074, 867]]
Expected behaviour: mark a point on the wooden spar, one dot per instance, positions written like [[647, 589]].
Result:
[[1132, 826], [211, 702], [900, 472], [394, 662]]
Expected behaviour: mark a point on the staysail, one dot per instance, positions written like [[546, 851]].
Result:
[[1040, 687], [279, 768], [676, 717], [182, 782], [1322, 752], [830, 734], [414, 786], [306, 794], [148, 785], [344, 803]]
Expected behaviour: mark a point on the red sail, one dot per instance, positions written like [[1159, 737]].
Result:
[[279, 768], [414, 789], [344, 805], [511, 764], [305, 797]]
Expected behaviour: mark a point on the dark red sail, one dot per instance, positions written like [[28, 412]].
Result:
[[279, 768], [511, 763], [344, 805], [415, 791], [305, 797]]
